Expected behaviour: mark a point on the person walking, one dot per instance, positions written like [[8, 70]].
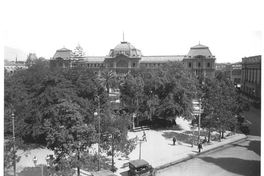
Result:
[[144, 137], [35, 160], [200, 147], [174, 140]]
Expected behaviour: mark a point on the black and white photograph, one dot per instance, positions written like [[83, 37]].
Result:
[[131, 88]]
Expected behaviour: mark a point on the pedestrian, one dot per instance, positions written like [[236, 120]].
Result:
[[205, 140], [35, 160], [174, 140], [144, 137], [200, 147]]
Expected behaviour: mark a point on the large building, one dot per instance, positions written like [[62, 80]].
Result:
[[125, 57], [200, 61], [251, 76]]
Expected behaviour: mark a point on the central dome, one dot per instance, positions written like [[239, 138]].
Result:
[[125, 48]]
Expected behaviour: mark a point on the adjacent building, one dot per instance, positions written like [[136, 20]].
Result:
[[251, 76], [236, 73], [12, 66], [232, 71]]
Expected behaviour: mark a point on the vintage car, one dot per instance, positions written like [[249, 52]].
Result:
[[140, 168]]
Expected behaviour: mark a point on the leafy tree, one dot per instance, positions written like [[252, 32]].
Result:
[[132, 94], [107, 79], [31, 59], [114, 135], [9, 155], [220, 104], [67, 134], [78, 51]]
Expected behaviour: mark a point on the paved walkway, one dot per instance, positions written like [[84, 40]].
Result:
[[160, 152]]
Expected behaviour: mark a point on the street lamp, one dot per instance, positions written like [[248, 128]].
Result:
[[200, 109], [133, 118], [14, 140], [95, 114]]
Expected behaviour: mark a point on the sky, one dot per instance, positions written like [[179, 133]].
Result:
[[232, 29]]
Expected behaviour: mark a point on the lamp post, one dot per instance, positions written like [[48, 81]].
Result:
[[133, 123], [140, 142], [199, 125], [14, 145], [99, 129]]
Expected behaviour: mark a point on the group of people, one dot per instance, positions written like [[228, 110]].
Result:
[[200, 146]]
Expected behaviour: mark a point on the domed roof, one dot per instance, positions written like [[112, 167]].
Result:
[[200, 50], [125, 48]]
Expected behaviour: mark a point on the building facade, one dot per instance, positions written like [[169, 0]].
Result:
[[125, 57], [251, 76], [200, 61], [236, 73], [12, 66]]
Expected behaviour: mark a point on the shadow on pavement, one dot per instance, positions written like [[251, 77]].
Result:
[[254, 145], [124, 173], [236, 165]]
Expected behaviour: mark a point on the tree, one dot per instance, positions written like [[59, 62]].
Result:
[[31, 59], [114, 135], [220, 104], [78, 51], [107, 79], [164, 93], [9, 154], [132, 95], [67, 134]]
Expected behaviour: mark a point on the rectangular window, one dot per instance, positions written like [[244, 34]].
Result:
[[190, 64], [208, 64], [199, 64]]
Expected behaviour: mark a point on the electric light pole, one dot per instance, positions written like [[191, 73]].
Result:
[[14, 145], [199, 123], [99, 129]]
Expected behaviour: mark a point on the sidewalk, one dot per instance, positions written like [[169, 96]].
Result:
[[160, 152]]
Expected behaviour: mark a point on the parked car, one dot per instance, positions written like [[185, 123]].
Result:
[[140, 168]]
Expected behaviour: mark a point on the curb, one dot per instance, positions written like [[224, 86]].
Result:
[[193, 155]]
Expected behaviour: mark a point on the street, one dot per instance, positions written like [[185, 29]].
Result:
[[235, 159], [241, 158]]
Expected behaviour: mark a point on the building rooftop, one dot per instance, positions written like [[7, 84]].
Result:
[[199, 50], [125, 48], [160, 59], [63, 53]]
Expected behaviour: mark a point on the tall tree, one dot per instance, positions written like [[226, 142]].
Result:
[[67, 134]]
